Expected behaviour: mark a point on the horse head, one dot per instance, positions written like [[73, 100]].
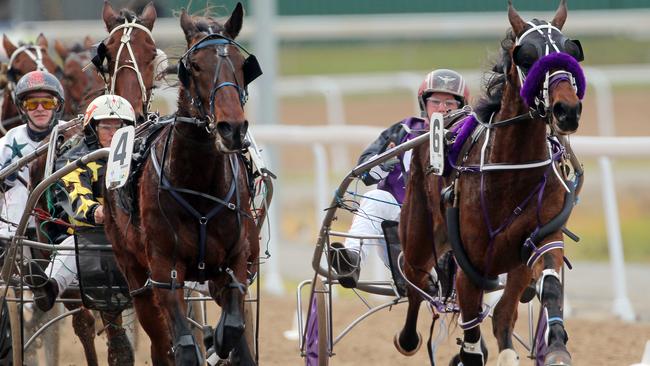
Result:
[[214, 75], [28, 57], [80, 84], [129, 52], [545, 64]]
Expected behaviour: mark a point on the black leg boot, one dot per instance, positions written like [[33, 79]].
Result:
[[346, 264]]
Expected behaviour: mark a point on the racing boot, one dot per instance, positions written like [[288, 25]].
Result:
[[394, 248], [45, 289], [345, 262]]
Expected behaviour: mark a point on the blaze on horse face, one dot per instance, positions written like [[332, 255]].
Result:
[[130, 86], [214, 75], [554, 77]]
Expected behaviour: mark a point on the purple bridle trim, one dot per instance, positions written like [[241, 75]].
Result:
[[537, 74], [538, 252]]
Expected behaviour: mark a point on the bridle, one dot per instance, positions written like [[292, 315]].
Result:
[[35, 53], [250, 69], [546, 31], [125, 42]]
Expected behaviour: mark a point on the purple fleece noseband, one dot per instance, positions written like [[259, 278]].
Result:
[[537, 75]]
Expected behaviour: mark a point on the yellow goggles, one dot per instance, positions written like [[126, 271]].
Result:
[[47, 103]]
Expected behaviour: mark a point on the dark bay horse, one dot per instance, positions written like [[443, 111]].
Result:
[[509, 195], [192, 220], [23, 59]]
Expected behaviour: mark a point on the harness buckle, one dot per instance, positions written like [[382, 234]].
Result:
[[203, 220], [202, 265], [231, 206], [174, 274]]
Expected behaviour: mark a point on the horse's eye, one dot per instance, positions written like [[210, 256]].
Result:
[[525, 55], [195, 66], [574, 48]]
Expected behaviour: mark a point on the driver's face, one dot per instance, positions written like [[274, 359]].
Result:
[[441, 103]]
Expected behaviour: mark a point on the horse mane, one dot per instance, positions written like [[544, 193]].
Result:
[[495, 80], [128, 15], [207, 24]]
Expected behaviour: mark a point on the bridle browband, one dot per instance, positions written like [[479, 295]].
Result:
[[250, 69]]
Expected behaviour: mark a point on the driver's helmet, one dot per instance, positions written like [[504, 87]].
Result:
[[443, 81], [106, 107], [39, 81]]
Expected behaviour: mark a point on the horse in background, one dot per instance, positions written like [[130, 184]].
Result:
[[80, 84], [23, 59], [507, 198], [192, 221]]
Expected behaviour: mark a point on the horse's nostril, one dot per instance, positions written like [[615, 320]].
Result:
[[560, 111], [224, 129]]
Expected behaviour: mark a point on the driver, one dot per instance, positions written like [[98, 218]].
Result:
[[442, 90], [104, 115]]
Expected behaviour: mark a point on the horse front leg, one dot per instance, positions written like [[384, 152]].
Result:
[[83, 324], [505, 315], [472, 351], [120, 351], [408, 341], [186, 349], [550, 292], [229, 333]]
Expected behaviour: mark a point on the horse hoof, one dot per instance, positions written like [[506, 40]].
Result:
[[508, 357], [226, 337], [557, 358], [455, 361], [404, 351]]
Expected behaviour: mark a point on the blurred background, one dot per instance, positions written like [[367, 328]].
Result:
[[343, 64]]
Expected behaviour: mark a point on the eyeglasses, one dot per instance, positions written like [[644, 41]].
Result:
[[449, 103], [109, 126], [32, 104]]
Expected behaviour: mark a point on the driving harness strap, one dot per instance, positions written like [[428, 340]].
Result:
[[203, 219]]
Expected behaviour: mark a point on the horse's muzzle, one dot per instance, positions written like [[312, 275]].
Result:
[[232, 135], [567, 116]]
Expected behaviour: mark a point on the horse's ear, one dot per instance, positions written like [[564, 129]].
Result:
[[10, 48], [88, 43], [109, 16], [41, 41], [234, 23], [560, 15], [518, 24], [188, 26], [61, 50], [148, 15]]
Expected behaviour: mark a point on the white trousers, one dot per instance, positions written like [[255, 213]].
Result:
[[375, 207], [63, 267]]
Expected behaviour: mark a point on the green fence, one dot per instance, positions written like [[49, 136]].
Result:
[[333, 7]]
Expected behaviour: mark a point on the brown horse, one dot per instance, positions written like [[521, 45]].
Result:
[[192, 220], [80, 85], [23, 59], [127, 57], [507, 200]]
